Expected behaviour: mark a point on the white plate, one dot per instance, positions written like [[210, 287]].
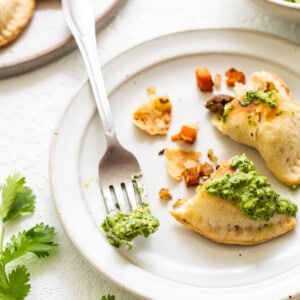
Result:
[[47, 37], [175, 262]]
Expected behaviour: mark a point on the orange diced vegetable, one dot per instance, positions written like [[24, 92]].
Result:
[[206, 169], [204, 79], [191, 176], [233, 76], [187, 134]]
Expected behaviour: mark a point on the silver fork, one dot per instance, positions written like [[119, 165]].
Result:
[[119, 171]]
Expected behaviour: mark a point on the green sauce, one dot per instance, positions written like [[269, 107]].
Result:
[[259, 97], [121, 228], [227, 109], [250, 191]]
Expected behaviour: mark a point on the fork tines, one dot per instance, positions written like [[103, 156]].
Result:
[[125, 196]]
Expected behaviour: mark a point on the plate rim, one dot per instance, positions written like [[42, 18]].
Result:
[[60, 49], [53, 141]]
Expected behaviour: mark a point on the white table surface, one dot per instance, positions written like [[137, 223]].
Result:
[[31, 104]]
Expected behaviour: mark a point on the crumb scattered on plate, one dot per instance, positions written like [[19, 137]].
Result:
[[164, 194], [154, 115], [178, 160]]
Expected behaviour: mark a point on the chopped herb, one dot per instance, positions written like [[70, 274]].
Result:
[[227, 109], [294, 187], [137, 175], [259, 97], [251, 122]]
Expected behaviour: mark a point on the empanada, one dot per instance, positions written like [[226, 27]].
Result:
[[265, 115], [251, 220], [14, 16]]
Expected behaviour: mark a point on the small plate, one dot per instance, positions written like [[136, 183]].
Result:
[[278, 8], [175, 262], [47, 37]]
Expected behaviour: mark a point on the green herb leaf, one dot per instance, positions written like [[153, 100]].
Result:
[[16, 198], [41, 239], [37, 240], [17, 247], [17, 286]]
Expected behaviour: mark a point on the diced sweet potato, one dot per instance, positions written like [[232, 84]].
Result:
[[206, 169], [204, 79], [187, 134], [233, 76], [191, 176]]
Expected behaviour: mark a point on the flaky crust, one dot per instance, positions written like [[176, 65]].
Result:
[[14, 16], [221, 221], [274, 132]]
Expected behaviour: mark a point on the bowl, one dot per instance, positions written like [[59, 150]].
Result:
[[278, 8]]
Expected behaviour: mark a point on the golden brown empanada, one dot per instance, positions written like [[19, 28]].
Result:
[[265, 115], [222, 220], [14, 16]]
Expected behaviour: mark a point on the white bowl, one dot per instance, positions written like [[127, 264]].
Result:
[[278, 8]]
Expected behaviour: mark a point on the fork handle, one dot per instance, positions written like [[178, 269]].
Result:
[[81, 22]]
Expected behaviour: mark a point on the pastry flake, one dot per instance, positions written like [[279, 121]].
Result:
[[178, 160], [154, 116]]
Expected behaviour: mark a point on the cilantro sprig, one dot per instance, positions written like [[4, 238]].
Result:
[[18, 199]]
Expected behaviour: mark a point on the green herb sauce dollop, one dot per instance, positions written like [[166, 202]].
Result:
[[121, 228], [251, 192]]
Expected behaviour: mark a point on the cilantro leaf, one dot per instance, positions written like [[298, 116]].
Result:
[[3, 279], [24, 203], [17, 247], [37, 240], [17, 286], [10, 189], [16, 198], [41, 239]]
